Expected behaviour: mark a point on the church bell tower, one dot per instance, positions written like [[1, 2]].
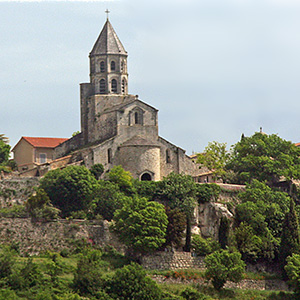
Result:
[[108, 63]]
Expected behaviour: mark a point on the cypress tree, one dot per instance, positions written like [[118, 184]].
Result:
[[290, 240]]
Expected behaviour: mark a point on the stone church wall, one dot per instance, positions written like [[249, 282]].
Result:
[[68, 146]]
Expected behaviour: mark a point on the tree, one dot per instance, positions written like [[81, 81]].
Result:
[[39, 206], [265, 158], [3, 138], [70, 189], [176, 226], [97, 170], [222, 266], [107, 198], [131, 282], [203, 246], [88, 275], [141, 224], [290, 241], [180, 192], [4, 152], [292, 269], [122, 178], [215, 158]]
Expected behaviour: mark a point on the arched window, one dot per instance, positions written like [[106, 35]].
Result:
[[109, 155], [112, 66], [136, 118], [146, 177], [102, 86], [168, 157], [123, 86], [122, 66], [102, 67], [114, 86]]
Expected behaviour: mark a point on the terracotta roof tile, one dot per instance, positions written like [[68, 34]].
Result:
[[42, 142]]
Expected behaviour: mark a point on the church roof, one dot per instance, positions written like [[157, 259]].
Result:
[[108, 42]]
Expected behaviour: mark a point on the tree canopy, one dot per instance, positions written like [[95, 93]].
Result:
[[265, 158], [141, 224]]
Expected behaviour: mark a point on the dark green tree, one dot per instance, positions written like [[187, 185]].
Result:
[[70, 189], [107, 198], [292, 270], [4, 152], [265, 158], [179, 191], [97, 170], [141, 225], [222, 266], [290, 241], [175, 228], [131, 282]]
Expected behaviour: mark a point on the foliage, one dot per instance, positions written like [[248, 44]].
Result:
[[122, 178], [148, 189], [14, 211], [97, 170], [141, 224], [215, 158], [4, 152], [190, 293], [180, 191], [265, 158], [292, 269], [75, 133], [290, 240], [88, 275], [207, 192], [175, 228], [131, 282], [222, 266], [7, 261], [203, 246], [224, 232], [69, 189], [107, 198], [39, 207]]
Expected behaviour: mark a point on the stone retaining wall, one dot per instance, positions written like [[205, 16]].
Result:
[[171, 261]]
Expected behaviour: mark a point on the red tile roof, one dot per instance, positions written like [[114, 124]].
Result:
[[42, 142], [297, 144]]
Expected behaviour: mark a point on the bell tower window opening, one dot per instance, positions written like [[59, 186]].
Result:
[[109, 155], [146, 177], [123, 86], [102, 67], [136, 118], [122, 66], [114, 86], [102, 86], [113, 66]]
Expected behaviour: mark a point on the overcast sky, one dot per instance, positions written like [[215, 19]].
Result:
[[214, 68]]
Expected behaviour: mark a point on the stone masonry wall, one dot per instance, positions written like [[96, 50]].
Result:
[[171, 261], [35, 237], [16, 190]]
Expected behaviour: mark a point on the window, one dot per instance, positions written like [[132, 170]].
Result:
[[146, 177], [114, 86], [109, 155], [43, 158], [102, 86], [102, 67], [136, 118], [112, 66], [123, 86], [168, 158], [122, 66]]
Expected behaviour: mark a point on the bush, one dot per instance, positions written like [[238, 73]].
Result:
[[203, 246], [222, 266], [190, 293], [131, 282], [207, 192]]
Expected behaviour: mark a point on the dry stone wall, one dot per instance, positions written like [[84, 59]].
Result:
[[16, 190], [171, 261]]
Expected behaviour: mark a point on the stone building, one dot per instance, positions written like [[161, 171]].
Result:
[[118, 128]]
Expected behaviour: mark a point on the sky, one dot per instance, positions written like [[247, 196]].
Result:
[[213, 68]]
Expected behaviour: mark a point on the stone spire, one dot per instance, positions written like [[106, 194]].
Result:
[[108, 63]]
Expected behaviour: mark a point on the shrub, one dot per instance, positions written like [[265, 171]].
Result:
[[203, 246]]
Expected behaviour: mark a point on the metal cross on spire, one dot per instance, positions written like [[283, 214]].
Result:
[[107, 12]]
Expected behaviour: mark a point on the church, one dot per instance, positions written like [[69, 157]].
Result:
[[118, 128]]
